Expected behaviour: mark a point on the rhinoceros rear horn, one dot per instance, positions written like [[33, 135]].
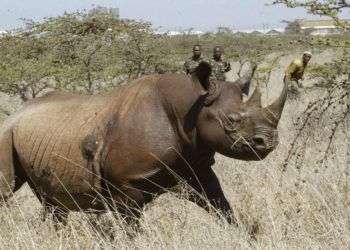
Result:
[[255, 98], [274, 111], [244, 81]]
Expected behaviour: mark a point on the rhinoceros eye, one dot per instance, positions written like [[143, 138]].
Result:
[[235, 117]]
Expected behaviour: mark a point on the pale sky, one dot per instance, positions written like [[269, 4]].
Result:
[[168, 14]]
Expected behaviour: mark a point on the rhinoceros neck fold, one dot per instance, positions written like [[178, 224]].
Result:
[[184, 99]]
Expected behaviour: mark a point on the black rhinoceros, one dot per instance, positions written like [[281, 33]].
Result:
[[123, 148]]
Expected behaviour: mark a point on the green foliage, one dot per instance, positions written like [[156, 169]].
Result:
[[263, 73], [329, 8], [25, 65], [90, 48], [320, 71], [85, 52]]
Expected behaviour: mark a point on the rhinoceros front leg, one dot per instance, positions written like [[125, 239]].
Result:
[[208, 194]]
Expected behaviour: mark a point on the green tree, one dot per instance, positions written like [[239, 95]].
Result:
[[84, 47], [141, 50], [82, 51], [24, 66], [329, 8]]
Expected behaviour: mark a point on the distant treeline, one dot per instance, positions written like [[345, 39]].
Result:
[[92, 52]]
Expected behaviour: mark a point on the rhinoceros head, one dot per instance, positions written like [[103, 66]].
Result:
[[241, 130]]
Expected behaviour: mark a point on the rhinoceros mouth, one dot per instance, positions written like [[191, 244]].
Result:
[[246, 149]]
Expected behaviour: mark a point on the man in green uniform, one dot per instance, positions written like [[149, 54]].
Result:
[[295, 72], [219, 66], [192, 63]]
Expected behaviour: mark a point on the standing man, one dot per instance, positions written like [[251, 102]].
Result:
[[295, 72], [219, 66], [192, 63]]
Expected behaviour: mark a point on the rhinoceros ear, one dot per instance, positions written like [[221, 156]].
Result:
[[202, 73]]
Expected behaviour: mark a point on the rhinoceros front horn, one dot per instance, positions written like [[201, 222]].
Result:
[[274, 111]]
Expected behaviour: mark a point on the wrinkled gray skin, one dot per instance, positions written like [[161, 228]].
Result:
[[128, 146]]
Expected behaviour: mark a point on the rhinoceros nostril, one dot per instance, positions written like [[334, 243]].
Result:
[[260, 142]]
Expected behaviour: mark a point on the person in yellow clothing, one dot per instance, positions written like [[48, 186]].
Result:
[[295, 72]]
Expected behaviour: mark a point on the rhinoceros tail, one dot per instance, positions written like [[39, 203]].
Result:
[[12, 175], [8, 163]]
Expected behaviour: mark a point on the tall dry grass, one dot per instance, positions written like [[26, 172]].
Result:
[[306, 206]]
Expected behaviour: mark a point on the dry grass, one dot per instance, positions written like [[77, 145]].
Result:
[[307, 206], [292, 210]]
